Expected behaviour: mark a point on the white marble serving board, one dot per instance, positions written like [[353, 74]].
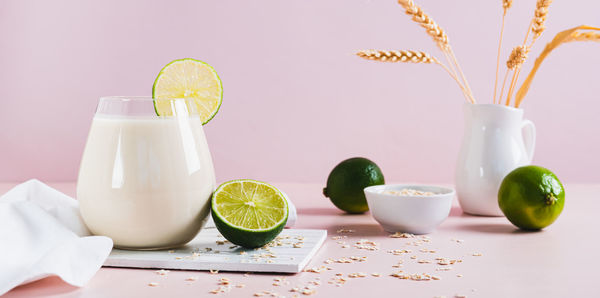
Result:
[[204, 253]]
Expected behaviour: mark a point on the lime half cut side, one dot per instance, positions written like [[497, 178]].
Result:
[[192, 79], [249, 213]]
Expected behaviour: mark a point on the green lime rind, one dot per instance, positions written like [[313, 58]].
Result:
[[195, 60], [531, 197], [347, 181], [242, 236]]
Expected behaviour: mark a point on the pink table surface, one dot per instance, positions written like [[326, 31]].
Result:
[[560, 261]]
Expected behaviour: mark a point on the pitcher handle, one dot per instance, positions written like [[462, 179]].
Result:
[[528, 138]]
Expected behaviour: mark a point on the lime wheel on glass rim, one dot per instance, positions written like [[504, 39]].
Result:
[[192, 79], [249, 213]]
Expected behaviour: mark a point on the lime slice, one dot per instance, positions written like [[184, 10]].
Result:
[[249, 213], [188, 78]]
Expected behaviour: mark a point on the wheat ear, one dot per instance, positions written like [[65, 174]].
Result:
[[515, 60], [432, 28], [570, 35], [397, 56], [408, 56], [539, 19], [440, 38], [506, 4], [537, 26]]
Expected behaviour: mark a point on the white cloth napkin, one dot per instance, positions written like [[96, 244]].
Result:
[[42, 234]]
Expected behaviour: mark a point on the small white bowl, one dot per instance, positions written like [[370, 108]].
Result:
[[409, 214]]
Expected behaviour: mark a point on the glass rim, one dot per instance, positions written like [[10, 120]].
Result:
[[135, 98]]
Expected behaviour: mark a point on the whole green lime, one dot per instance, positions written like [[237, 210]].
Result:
[[348, 179], [531, 197]]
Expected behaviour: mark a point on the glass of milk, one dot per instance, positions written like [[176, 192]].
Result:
[[145, 180]]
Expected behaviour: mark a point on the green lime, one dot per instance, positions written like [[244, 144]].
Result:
[[531, 197], [188, 78], [249, 213], [346, 183]]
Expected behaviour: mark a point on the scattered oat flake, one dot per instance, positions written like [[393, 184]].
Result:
[[366, 244], [402, 235], [224, 281], [171, 251], [477, 254], [298, 245], [443, 268], [316, 269], [308, 292], [178, 258], [345, 231], [240, 285], [460, 296], [459, 275], [357, 274], [415, 277], [399, 251], [153, 284], [191, 278], [162, 272], [423, 261], [375, 274]]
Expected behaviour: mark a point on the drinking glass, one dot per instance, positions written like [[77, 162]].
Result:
[[145, 180]]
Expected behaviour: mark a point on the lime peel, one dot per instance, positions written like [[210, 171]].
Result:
[[249, 213], [188, 78]]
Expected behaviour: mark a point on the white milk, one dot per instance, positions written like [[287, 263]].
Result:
[[146, 182]]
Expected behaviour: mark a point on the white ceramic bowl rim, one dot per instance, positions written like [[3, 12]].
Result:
[[438, 190]]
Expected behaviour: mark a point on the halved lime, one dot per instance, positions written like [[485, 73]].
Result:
[[188, 78], [249, 213]]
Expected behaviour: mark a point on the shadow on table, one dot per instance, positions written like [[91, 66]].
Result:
[[319, 211], [456, 211], [494, 228], [49, 286]]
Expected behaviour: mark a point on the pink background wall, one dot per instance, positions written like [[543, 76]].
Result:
[[296, 99]]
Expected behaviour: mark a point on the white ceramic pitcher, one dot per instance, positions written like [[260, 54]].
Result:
[[496, 141]]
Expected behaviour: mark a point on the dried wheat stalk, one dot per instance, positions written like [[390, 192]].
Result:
[[515, 60], [539, 19], [506, 4], [537, 26], [570, 35], [441, 39], [408, 56], [517, 57], [584, 36], [432, 28], [397, 56]]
